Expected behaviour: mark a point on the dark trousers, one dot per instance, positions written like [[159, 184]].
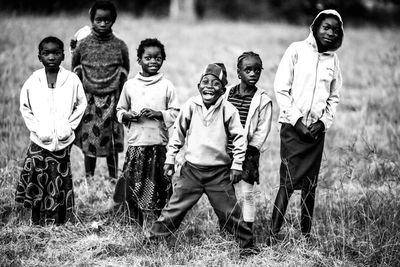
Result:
[[215, 183], [280, 206]]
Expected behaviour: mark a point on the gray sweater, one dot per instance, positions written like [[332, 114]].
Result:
[[102, 62]]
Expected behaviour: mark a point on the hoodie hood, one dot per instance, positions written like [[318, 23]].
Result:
[[149, 80], [330, 12]]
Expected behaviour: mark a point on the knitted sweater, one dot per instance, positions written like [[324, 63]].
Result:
[[102, 62]]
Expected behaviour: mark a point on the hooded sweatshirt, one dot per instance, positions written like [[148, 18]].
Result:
[[205, 132], [154, 92], [52, 114], [307, 82]]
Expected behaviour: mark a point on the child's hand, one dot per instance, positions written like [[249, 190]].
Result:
[[235, 176], [151, 114], [129, 117], [169, 170], [316, 129], [303, 131], [63, 130], [73, 43], [44, 134]]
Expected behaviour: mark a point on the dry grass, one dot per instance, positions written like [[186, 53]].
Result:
[[357, 211]]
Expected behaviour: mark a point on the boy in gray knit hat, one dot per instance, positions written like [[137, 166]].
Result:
[[206, 122]]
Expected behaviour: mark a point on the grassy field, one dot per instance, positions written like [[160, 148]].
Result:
[[357, 219]]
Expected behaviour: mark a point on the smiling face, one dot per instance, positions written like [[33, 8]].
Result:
[[51, 56], [151, 61], [210, 88], [328, 34], [102, 21], [250, 70]]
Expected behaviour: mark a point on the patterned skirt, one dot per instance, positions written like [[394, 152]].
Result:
[[144, 174], [301, 160], [100, 134], [46, 180]]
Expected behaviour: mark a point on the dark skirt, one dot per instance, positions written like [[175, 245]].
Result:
[[144, 175], [100, 134], [300, 160], [46, 180], [250, 166]]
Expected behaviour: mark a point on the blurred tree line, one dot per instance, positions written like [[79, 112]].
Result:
[[294, 11]]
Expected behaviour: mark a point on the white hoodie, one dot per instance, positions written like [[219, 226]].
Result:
[[307, 82], [52, 114]]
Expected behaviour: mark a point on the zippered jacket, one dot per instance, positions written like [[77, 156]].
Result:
[[307, 83], [259, 118], [52, 114]]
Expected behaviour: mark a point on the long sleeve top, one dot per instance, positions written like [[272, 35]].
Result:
[[307, 84], [103, 63], [154, 92], [206, 133], [259, 118], [52, 114]]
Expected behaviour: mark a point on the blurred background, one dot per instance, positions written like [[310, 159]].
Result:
[[381, 12]]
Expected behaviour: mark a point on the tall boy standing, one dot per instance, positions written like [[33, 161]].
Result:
[[205, 122]]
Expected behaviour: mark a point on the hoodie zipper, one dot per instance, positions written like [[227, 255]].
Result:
[[313, 94]]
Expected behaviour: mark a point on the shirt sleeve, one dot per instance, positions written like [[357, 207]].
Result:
[[263, 126], [178, 137], [26, 110], [80, 104], [124, 104], [172, 106], [125, 58], [333, 99], [283, 85], [236, 133]]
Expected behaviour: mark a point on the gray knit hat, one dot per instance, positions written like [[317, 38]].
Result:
[[218, 70]]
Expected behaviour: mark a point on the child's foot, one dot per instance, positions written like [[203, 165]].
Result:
[[248, 252]]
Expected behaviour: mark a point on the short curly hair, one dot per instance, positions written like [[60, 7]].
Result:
[[150, 42], [50, 39], [104, 5]]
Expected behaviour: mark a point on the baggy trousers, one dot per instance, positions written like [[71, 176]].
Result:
[[190, 186]]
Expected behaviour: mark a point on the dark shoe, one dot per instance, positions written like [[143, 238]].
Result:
[[248, 252], [250, 225], [271, 240]]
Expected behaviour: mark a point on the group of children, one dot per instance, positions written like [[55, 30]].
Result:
[[223, 129]]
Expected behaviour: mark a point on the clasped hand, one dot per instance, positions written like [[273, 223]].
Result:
[[235, 176], [169, 170], [312, 132]]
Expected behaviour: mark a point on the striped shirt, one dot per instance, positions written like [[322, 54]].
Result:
[[242, 104]]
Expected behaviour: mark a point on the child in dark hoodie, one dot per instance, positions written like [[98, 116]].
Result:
[[306, 85]]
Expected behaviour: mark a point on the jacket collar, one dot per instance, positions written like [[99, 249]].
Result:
[[62, 76]]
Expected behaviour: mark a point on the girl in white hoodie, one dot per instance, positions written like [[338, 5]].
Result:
[[255, 110], [148, 106], [52, 103], [307, 85]]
